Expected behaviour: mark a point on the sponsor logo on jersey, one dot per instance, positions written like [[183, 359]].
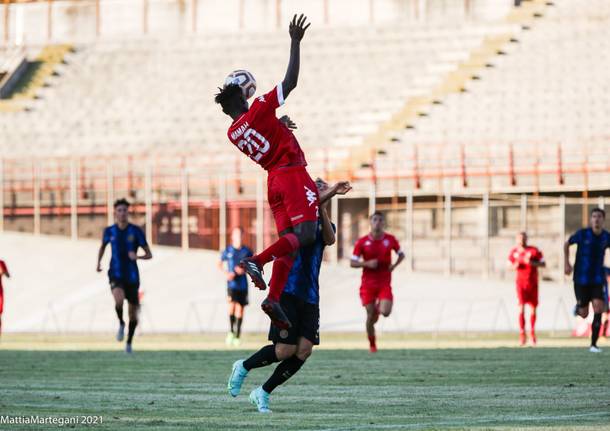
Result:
[[311, 196], [261, 99]]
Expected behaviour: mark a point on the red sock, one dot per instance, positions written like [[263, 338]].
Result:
[[281, 271], [521, 322], [283, 246], [372, 340], [533, 321]]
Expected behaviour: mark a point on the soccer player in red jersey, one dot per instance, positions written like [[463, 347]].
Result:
[[373, 253], [292, 194], [3, 272], [526, 260]]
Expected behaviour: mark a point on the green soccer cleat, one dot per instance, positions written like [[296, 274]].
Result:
[[238, 375], [260, 399]]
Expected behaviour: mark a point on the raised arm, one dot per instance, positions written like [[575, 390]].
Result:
[[297, 31], [341, 188]]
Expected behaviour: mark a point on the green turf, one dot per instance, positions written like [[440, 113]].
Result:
[[565, 388]]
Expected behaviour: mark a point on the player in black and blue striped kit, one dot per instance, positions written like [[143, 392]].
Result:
[[589, 274], [300, 301], [237, 283], [125, 240]]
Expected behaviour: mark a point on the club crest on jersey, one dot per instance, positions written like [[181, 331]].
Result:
[[131, 238], [367, 243], [311, 196], [386, 243]]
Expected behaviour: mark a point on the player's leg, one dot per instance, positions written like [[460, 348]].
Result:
[[239, 318], [521, 319], [232, 304], [598, 309], [532, 308], [292, 357], [370, 325], [293, 199], [583, 297], [119, 298], [133, 300]]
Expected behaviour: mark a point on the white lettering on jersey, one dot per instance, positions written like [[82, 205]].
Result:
[[240, 131]]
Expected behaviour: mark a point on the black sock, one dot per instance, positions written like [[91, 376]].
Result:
[[595, 327], [283, 372], [132, 330], [232, 320], [119, 313], [262, 358], [238, 332]]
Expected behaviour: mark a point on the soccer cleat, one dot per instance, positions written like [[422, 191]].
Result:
[[128, 349], [260, 399], [254, 271], [229, 339], [533, 338], [595, 349], [237, 377], [121, 332], [373, 348], [273, 309], [236, 342], [522, 339]]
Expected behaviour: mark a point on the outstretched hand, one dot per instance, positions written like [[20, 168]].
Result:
[[343, 187], [285, 119], [297, 27]]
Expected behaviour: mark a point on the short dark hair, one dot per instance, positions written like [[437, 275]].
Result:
[[377, 213], [228, 95], [120, 202], [599, 210]]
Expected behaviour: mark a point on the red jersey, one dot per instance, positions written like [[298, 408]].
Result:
[[3, 271], [527, 274], [262, 137], [380, 249]]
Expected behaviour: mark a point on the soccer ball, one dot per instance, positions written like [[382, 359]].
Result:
[[245, 80]]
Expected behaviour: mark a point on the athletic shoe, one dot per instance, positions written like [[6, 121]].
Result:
[[522, 338], [236, 379], [121, 332], [229, 339], [373, 348], [260, 399], [274, 310], [128, 349], [595, 349], [254, 271], [534, 339], [236, 342]]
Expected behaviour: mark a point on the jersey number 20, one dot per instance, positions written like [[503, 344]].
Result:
[[255, 149]]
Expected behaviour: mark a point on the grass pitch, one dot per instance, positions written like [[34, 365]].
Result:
[[337, 389]]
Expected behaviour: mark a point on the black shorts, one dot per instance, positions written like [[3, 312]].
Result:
[[131, 290], [239, 296], [305, 319], [587, 292]]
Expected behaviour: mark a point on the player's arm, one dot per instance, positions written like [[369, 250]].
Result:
[[574, 239], [340, 188], [538, 260], [147, 253], [401, 256], [297, 31], [357, 262], [328, 233], [229, 275], [4, 271], [100, 255]]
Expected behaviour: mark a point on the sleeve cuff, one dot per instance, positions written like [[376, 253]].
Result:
[[280, 94]]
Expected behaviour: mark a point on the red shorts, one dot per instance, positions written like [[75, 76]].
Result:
[[527, 295], [293, 197], [369, 294]]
